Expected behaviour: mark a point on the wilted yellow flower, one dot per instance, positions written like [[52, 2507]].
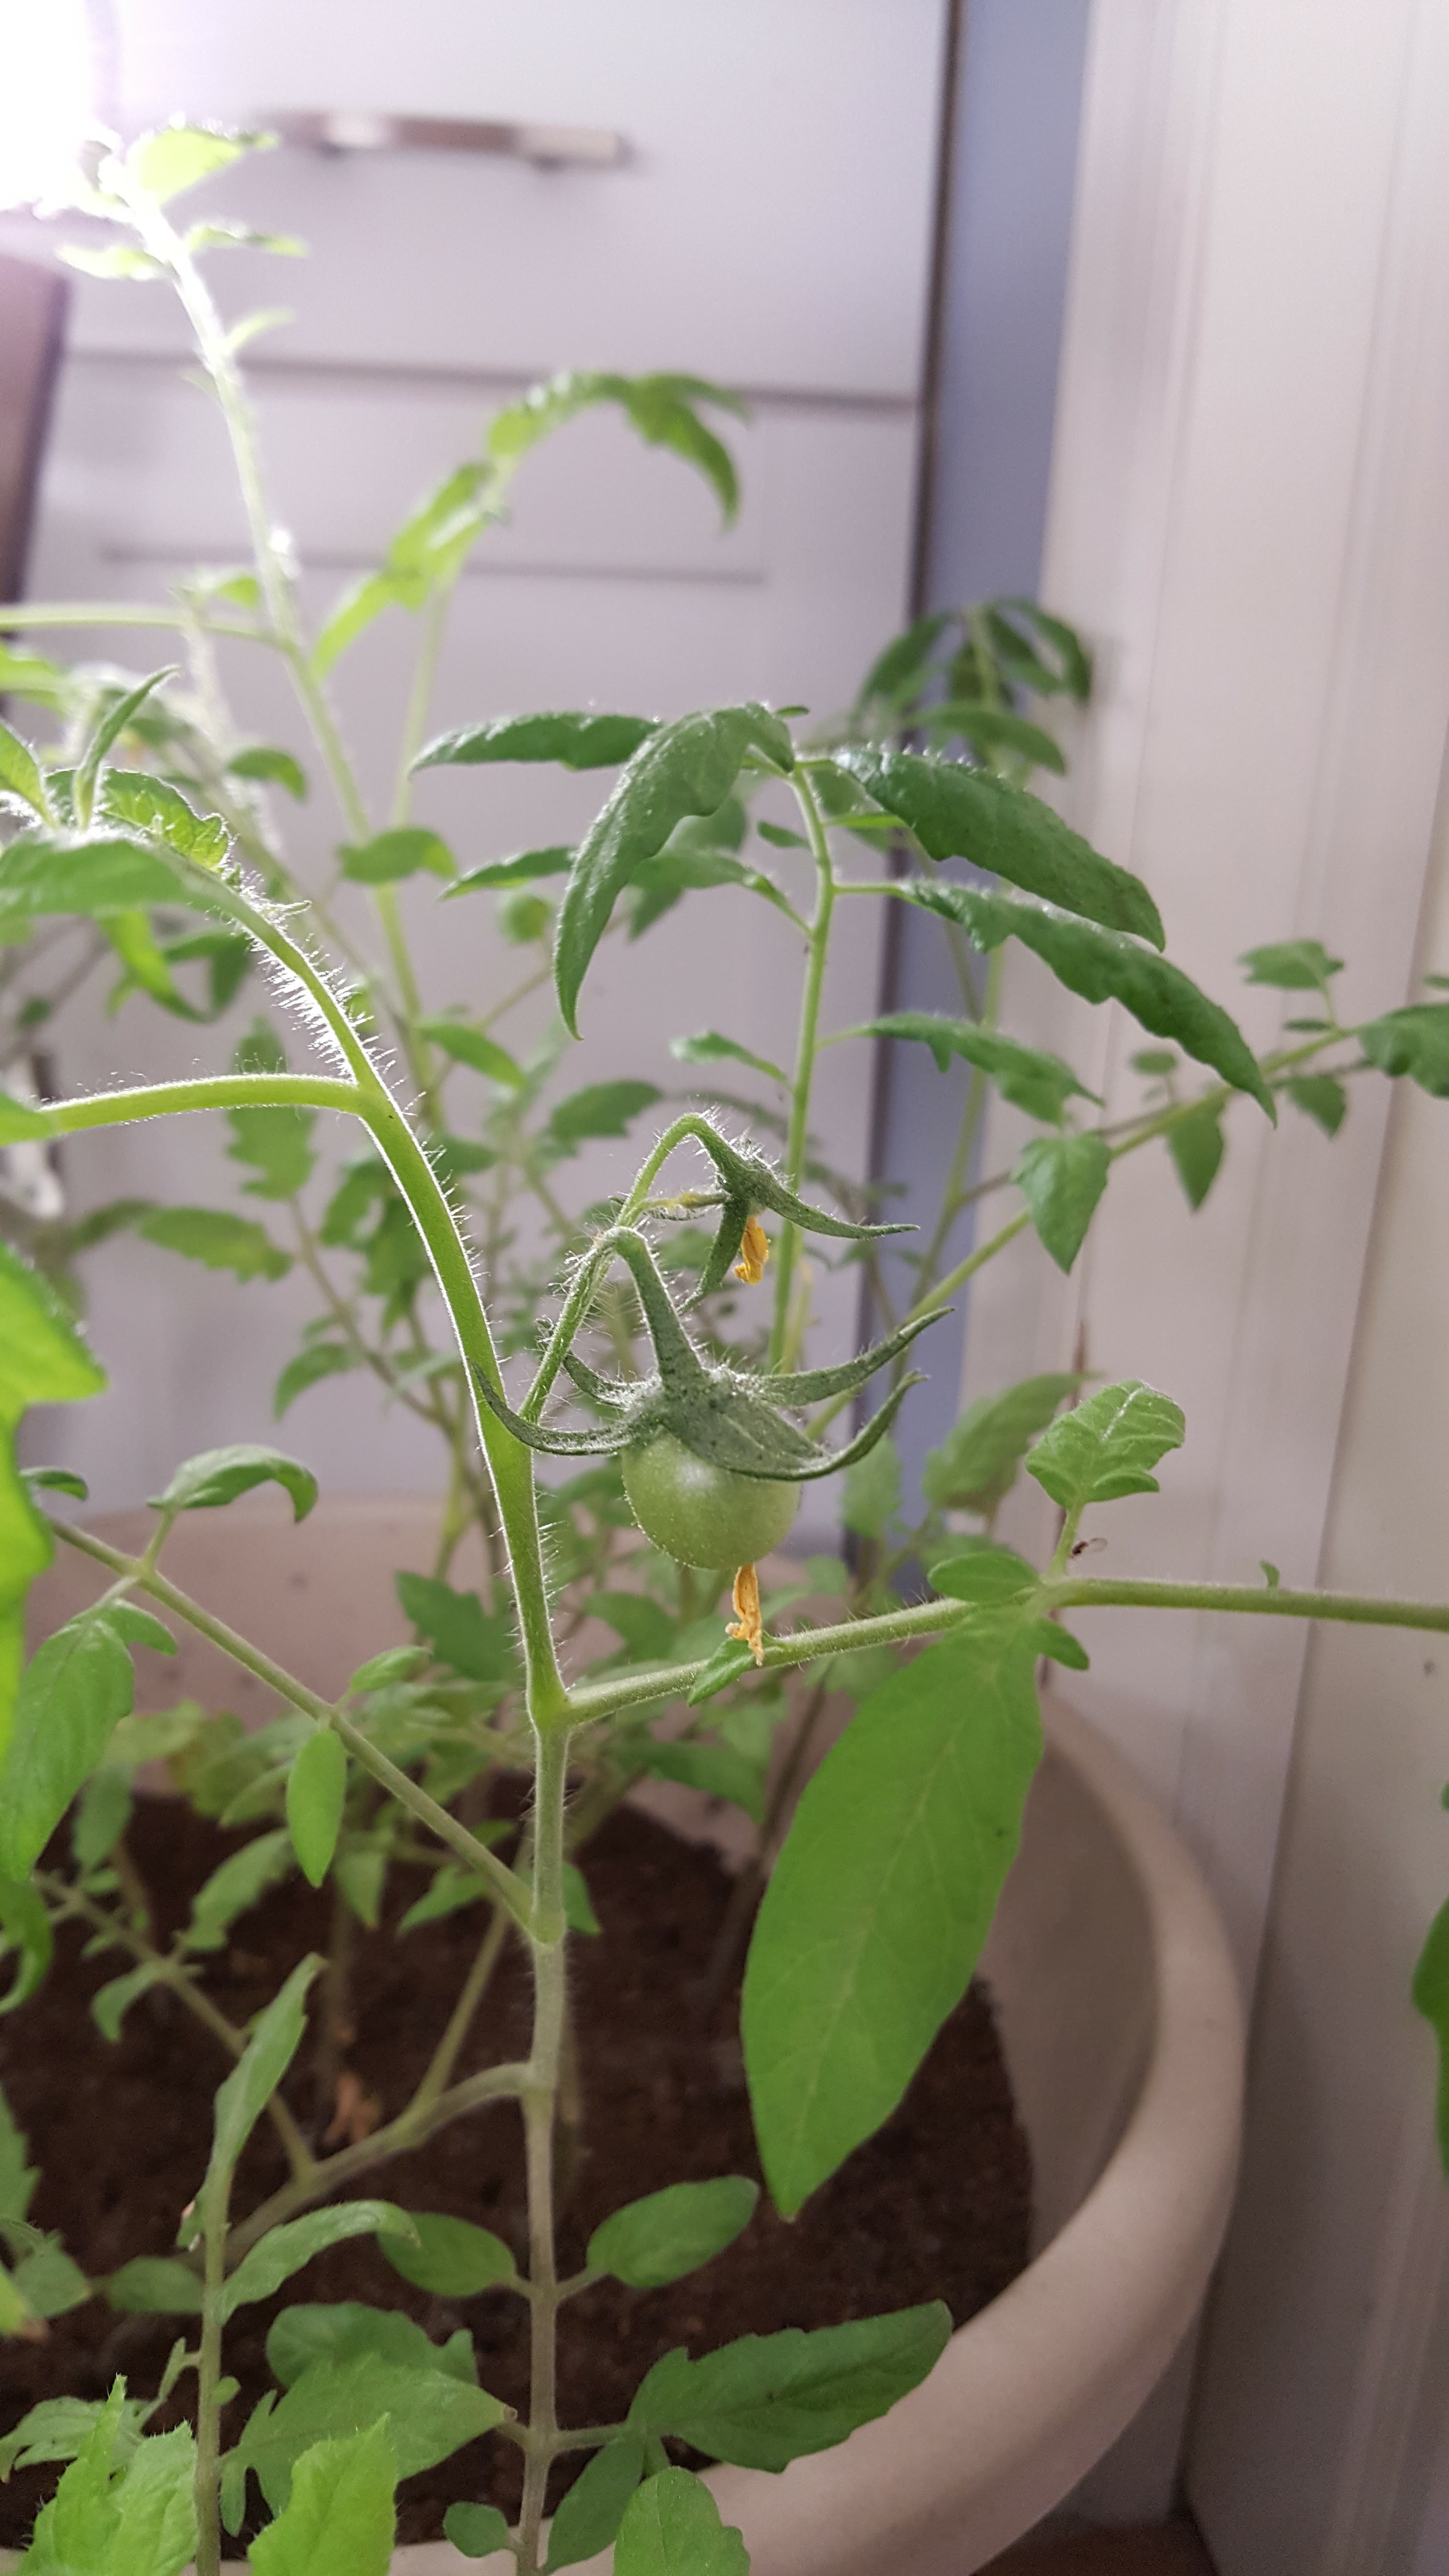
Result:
[[748, 1627], [754, 1253]]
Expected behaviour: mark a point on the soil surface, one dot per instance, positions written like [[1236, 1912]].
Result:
[[937, 2205]]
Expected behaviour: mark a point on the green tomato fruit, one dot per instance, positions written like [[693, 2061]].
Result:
[[703, 1515]]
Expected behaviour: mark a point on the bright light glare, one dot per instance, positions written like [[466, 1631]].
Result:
[[46, 104]]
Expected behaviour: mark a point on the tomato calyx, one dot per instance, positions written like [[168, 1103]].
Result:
[[732, 1418]]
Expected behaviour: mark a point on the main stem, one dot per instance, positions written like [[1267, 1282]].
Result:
[[540, 2107], [208, 2411], [807, 1040]]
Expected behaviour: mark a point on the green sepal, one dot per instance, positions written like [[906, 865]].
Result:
[[812, 1386]]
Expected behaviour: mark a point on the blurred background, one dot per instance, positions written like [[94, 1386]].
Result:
[[1140, 304]]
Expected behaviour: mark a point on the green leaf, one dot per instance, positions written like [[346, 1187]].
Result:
[[316, 1795], [600, 1109], [1028, 1077], [1431, 1998], [731, 1660], [72, 1693], [708, 1047], [155, 2285], [687, 767], [311, 1365], [476, 2530], [452, 1889], [672, 2527], [304, 2335], [401, 853], [284, 2250], [117, 713], [988, 1576], [26, 1929], [96, 872], [873, 1490], [42, 1361], [1196, 1144], [125, 2507], [578, 740], [49, 2282], [476, 1049], [589, 2516], [240, 1881], [578, 1905], [111, 2003], [669, 2233], [452, 2258], [154, 806], [1293, 965], [647, 1628], [264, 762], [716, 1770], [1321, 1097], [960, 813], [217, 1476], [241, 2100], [180, 155], [355, 610], [975, 1466], [1061, 1179], [521, 869], [216, 1237], [112, 260], [58, 2428], [1414, 1041], [1107, 1446], [58, 1480], [18, 2179], [458, 1629], [20, 775], [431, 2413], [993, 729], [883, 1894], [340, 2519], [1102, 966], [770, 2399]]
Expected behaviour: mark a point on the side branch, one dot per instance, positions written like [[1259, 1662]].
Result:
[[210, 1091]]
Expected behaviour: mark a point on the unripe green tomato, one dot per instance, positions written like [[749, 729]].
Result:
[[703, 1515]]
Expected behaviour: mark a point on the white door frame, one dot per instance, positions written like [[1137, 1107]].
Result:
[[1250, 517]]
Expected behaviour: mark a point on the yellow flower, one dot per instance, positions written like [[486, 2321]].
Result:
[[754, 1253], [748, 1627]]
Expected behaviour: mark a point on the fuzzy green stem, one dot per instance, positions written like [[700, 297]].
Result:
[[208, 2411], [209, 1091], [540, 2108], [806, 1046]]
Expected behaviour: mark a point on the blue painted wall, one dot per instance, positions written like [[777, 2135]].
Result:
[[1009, 215]]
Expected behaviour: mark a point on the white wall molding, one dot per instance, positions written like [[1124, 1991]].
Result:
[[1250, 517]]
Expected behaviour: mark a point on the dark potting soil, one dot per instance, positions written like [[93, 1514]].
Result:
[[935, 2206]]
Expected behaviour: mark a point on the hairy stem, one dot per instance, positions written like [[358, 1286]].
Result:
[[806, 1045], [540, 2107]]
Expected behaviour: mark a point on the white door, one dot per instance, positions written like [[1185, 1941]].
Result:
[[770, 228]]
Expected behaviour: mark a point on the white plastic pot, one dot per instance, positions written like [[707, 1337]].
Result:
[[1120, 2018]]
